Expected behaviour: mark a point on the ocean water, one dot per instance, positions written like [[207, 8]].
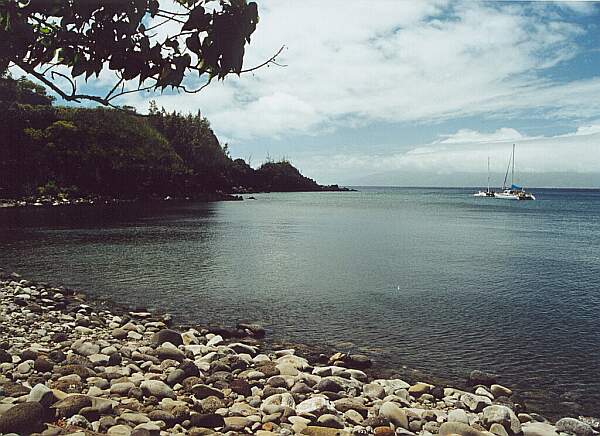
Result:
[[426, 279]]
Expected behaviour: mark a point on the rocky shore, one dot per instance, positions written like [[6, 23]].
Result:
[[97, 200], [73, 366]]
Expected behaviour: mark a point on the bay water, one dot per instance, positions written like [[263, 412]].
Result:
[[425, 279]]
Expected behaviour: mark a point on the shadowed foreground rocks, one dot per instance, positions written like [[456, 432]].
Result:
[[70, 366]]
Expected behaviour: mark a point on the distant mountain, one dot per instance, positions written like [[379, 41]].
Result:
[[416, 178]]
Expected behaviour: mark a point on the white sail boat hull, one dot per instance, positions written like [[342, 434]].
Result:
[[506, 196]]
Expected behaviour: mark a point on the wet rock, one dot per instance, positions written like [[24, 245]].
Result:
[[254, 329], [207, 420], [477, 377], [500, 391], [167, 335]]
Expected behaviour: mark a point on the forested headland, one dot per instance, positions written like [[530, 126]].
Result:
[[49, 150]]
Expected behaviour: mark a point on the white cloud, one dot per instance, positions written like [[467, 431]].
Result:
[[468, 135], [352, 63], [577, 152]]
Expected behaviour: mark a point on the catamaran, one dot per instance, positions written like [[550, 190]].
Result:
[[515, 192], [488, 193]]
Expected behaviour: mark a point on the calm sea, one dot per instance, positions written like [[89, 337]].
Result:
[[430, 279]]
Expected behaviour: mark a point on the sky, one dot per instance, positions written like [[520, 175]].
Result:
[[371, 91]]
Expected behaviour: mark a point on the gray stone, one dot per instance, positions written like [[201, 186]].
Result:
[[395, 414], [496, 414], [573, 426], [237, 423], [374, 391], [121, 388], [41, 394], [458, 428], [475, 403], [157, 388], [354, 403], [458, 415], [498, 430], [538, 429], [173, 353], [314, 405], [86, 348], [500, 391]]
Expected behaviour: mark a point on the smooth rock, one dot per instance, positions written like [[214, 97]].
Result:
[[312, 430], [167, 335], [41, 394], [500, 391], [573, 426], [207, 420], [21, 418], [538, 429], [314, 405], [157, 388], [71, 405], [394, 414], [329, 420], [477, 377], [458, 428], [458, 415]]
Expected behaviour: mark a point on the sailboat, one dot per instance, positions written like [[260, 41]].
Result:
[[488, 193], [514, 192]]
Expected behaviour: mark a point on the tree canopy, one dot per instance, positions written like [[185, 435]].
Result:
[[107, 152], [146, 44]]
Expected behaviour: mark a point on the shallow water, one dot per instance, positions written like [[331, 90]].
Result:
[[432, 279]]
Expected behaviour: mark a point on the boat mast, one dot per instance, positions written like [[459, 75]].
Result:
[[512, 182], [506, 175], [488, 173]]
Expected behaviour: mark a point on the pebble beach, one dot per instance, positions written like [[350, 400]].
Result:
[[72, 365]]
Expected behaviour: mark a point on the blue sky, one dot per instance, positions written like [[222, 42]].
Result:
[[421, 87]]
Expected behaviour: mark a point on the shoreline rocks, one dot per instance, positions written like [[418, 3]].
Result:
[[68, 365]]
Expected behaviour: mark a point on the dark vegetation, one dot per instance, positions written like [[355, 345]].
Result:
[[47, 149], [124, 39]]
